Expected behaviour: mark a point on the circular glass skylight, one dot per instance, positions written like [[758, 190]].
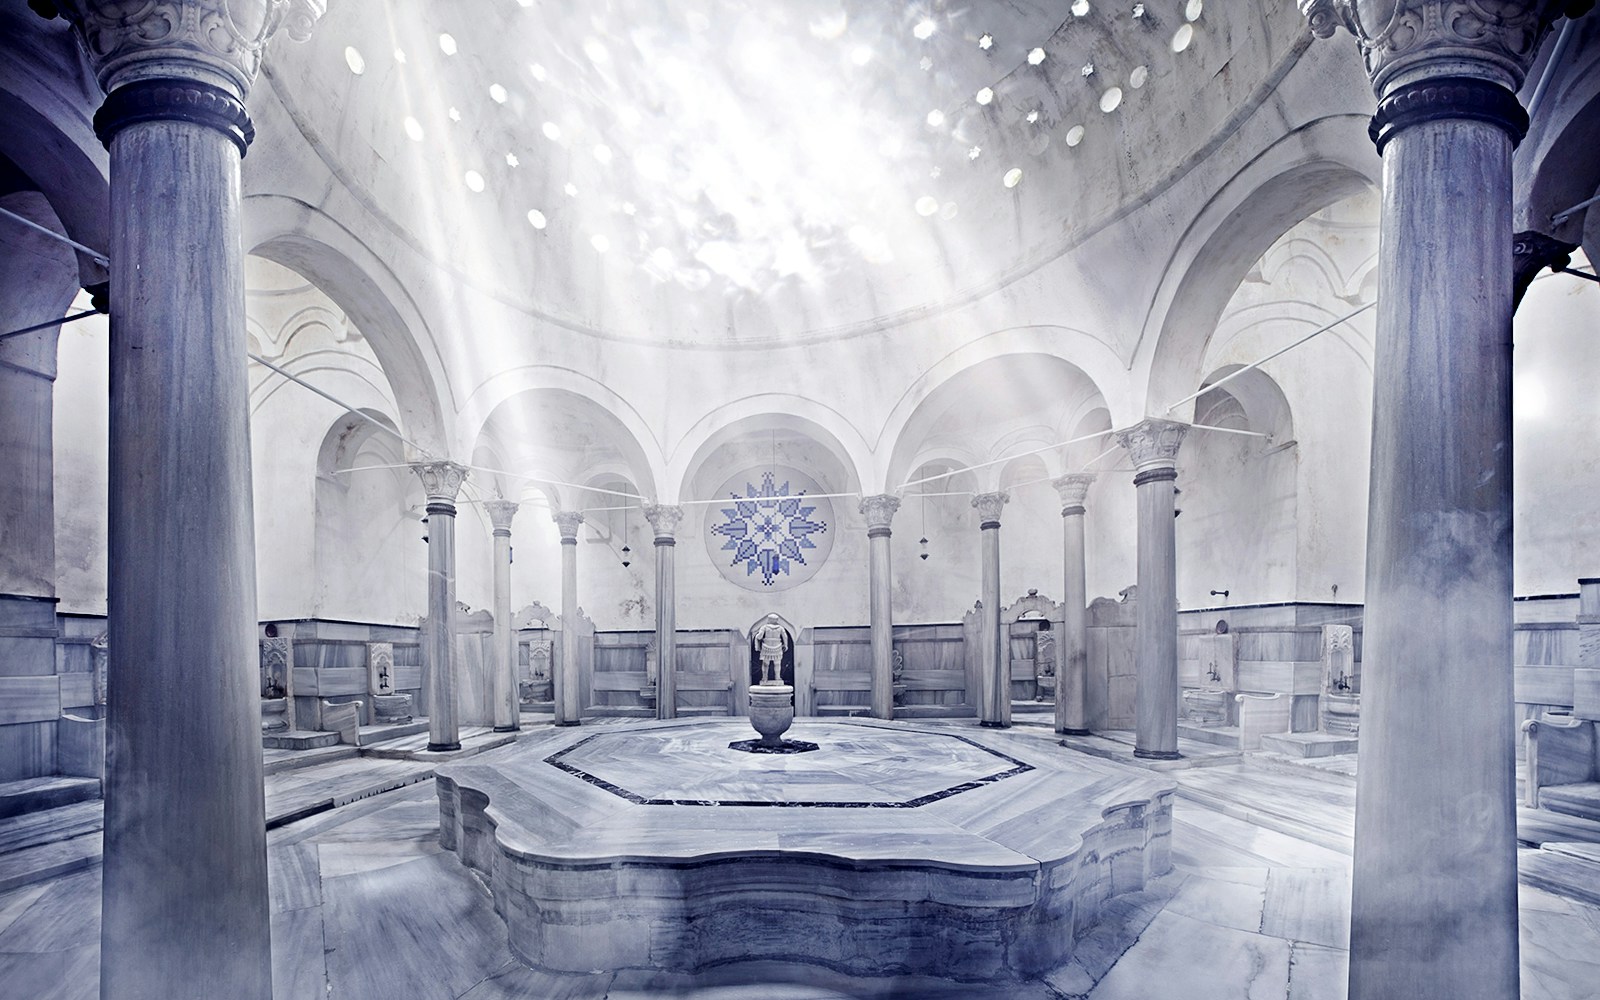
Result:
[[1193, 9], [1012, 178], [447, 44], [571, 189], [661, 257], [935, 118], [536, 218], [537, 72], [984, 96], [1139, 75], [1182, 37], [413, 129], [353, 59], [986, 41], [948, 212], [1033, 116], [1074, 135], [511, 160], [973, 152], [1036, 57], [400, 56], [474, 180], [1110, 99], [861, 55], [925, 28], [927, 205], [600, 243], [455, 115], [551, 131], [1080, 8], [602, 152], [497, 93]]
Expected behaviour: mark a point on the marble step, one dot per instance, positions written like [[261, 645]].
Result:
[[279, 761], [1581, 799], [1536, 827], [1222, 736], [19, 833], [298, 739], [1565, 873], [1308, 744], [48, 861], [31, 795]]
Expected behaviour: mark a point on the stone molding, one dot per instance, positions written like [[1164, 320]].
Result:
[[988, 506], [500, 514], [1532, 252], [174, 100], [879, 510], [1456, 98], [1153, 442], [568, 522], [1404, 41], [441, 481], [1073, 489], [664, 520]]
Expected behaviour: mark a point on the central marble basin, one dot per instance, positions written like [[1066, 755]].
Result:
[[891, 849]]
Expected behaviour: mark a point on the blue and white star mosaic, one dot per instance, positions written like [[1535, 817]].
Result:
[[768, 529]]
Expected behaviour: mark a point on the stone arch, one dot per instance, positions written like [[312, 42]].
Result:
[[1306, 171], [1555, 165], [560, 435], [303, 239], [771, 412]]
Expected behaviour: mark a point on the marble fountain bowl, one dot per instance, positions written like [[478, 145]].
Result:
[[893, 849]]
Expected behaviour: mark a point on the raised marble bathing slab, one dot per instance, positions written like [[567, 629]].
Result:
[[893, 849]]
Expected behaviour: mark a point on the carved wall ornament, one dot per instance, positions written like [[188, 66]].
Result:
[[277, 659], [772, 531], [568, 522]]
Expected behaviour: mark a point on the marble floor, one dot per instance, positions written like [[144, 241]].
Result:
[[366, 905]]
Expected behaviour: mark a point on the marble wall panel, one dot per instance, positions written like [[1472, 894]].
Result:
[[27, 750], [474, 683], [81, 747], [1545, 645], [1286, 677], [77, 690], [1543, 685], [1260, 714], [27, 656], [29, 699], [341, 680], [1586, 693], [305, 682], [1294, 643]]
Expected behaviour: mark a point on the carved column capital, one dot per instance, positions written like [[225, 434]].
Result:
[[183, 60], [441, 481], [879, 511], [988, 506], [1073, 488], [568, 522], [1153, 442], [664, 520], [1409, 42], [500, 514]]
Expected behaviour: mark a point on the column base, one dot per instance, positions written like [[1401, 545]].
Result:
[[985, 723], [506, 729], [569, 722], [1157, 754], [1074, 732], [440, 747]]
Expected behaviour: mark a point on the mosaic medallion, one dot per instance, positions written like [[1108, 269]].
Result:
[[773, 532]]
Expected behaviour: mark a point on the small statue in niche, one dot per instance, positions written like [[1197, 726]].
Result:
[[539, 660], [897, 674], [99, 655], [771, 653], [1044, 655]]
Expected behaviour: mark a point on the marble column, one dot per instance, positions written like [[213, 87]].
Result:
[[1153, 446], [441, 482], [1072, 649], [507, 706], [879, 511], [664, 521], [184, 883], [1434, 904], [568, 708], [994, 691]]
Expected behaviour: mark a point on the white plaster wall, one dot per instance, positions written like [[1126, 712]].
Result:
[[81, 445], [1556, 424]]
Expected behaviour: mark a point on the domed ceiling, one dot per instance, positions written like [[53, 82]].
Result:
[[746, 171]]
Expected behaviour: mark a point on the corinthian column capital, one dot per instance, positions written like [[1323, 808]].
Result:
[[500, 514], [1406, 41], [568, 522], [1153, 442], [1073, 488], [441, 481], [879, 511], [988, 506], [664, 519]]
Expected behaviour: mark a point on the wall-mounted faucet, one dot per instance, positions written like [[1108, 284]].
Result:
[[1220, 593]]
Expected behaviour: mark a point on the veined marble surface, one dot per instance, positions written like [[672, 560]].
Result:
[[893, 847]]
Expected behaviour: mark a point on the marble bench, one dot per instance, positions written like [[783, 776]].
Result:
[[1564, 752]]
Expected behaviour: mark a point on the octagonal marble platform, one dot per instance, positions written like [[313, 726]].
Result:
[[893, 848]]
